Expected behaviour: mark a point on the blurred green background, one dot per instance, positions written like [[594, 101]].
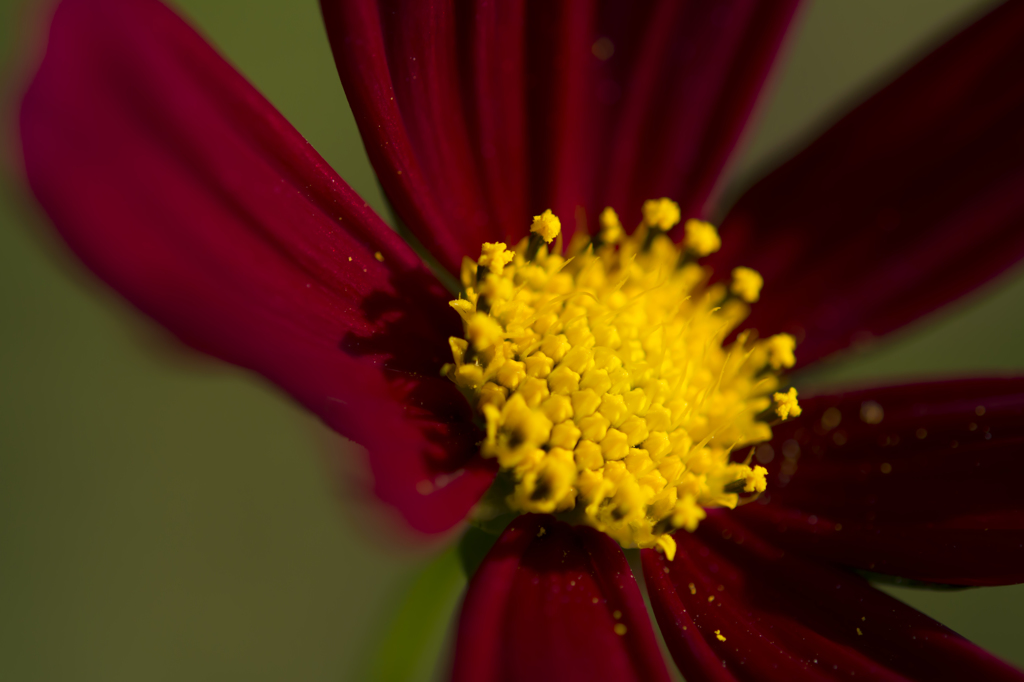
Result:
[[163, 517]]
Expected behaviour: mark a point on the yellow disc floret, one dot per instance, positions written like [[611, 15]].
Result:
[[603, 382]]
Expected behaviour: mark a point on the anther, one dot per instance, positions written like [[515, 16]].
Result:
[[544, 229], [661, 213], [701, 238], [660, 216], [611, 231], [495, 256], [746, 284], [786, 405]]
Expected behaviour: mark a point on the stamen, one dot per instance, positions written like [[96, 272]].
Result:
[[661, 213], [495, 256], [660, 216], [701, 238], [746, 284], [786, 405], [544, 229], [611, 228], [602, 379]]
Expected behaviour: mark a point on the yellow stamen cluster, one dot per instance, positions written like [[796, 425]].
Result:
[[601, 376]]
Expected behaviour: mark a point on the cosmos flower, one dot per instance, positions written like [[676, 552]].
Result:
[[500, 132]]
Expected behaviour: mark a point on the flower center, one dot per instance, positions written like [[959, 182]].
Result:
[[602, 378]]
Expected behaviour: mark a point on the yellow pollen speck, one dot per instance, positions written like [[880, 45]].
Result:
[[616, 614], [701, 237], [541, 531], [350, 258], [886, 468], [711, 598], [786, 404], [620, 629], [719, 635], [693, 588], [746, 283], [595, 600], [379, 256], [547, 225], [859, 632], [661, 213], [604, 380]]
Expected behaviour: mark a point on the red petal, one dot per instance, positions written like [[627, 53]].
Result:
[[400, 68], [781, 617], [932, 491], [478, 117], [660, 116], [183, 189], [543, 606], [911, 200], [691, 83], [495, 94]]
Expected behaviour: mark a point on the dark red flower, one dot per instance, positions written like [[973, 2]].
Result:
[[184, 190]]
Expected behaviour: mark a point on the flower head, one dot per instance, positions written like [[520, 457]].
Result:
[[620, 379]]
